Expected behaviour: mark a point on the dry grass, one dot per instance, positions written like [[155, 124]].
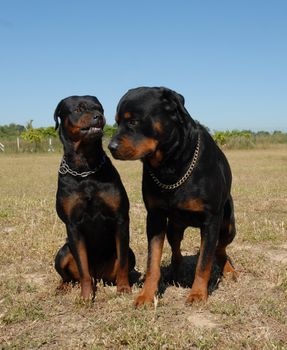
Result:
[[249, 314]]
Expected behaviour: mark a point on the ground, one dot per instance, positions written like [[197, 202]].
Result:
[[248, 314]]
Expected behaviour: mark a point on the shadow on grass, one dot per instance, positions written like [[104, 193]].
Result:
[[186, 274], [184, 278]]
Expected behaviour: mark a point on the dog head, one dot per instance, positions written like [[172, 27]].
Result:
[[148, 119], [81, 118]]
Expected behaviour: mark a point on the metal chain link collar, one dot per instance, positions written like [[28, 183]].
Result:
[[185, 176], [64, 169]]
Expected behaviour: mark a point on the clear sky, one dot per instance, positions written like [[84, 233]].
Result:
[[228, 58]]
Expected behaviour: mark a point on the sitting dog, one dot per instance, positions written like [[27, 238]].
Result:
[[186, 182], [91, 201]]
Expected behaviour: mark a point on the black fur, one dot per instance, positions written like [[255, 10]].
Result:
[[95, 208], [154, 126]]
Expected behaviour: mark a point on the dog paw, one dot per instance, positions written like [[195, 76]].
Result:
[[229, 272], [124, 289], [143, 299], [87, 290], [64, 288], [196, 296]]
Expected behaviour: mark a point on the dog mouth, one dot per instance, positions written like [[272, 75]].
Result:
[[93, 127], [91, 130]]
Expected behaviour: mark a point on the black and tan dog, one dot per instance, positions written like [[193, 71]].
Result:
[[91, 201], [186, 182]]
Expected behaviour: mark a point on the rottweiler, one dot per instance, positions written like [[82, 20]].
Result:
[[186, 182], [91, 201]]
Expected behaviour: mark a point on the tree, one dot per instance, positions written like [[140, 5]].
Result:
[[11, 131], [109, 130], [48, 132], [32, 135], [29, 124]]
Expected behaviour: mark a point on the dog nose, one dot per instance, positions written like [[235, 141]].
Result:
[[113, 146]]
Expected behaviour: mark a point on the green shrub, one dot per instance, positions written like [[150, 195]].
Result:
[[244, 139]]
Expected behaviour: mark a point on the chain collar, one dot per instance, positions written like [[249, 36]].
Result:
[[64, 169], [185, 176]]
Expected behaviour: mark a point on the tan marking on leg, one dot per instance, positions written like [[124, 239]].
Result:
[[153, 272], [123, 285], [225, 264], [68, 262], [85, 279], [199, 289]]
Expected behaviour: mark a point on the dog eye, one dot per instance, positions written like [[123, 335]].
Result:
[[132, 122]]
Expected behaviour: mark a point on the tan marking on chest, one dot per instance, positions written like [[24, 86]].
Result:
[[112, 200], [192, 204], [70, 202]]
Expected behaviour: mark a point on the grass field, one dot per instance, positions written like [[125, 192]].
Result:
[[248, 314]]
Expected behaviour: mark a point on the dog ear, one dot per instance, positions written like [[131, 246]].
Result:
[[57, 114], [177, 101]]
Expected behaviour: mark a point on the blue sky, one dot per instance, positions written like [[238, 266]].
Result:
[[228, 58]]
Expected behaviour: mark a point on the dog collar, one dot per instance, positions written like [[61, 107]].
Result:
[[64, 169], [185, 176]]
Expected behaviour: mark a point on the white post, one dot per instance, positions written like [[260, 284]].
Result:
[[18, 144], [50, 149]]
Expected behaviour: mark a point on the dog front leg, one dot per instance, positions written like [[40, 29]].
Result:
[[79, 251], [122, 244], [209, 237], [174, 236], [156, 229]]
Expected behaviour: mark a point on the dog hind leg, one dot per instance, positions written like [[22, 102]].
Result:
[[226, 235]]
